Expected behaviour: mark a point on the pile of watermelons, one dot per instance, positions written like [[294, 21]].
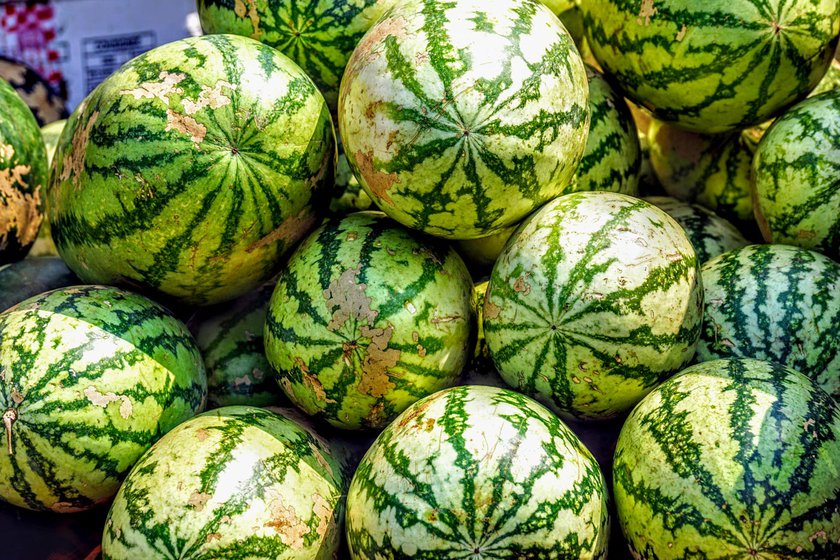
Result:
[[397, 250]]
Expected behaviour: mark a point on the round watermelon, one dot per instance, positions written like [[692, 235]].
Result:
[[367, 318], [192, 170], [235, 482], [477, 472], [594, 302], [461, 118], [32, 276], [797, 170], [51, 133], [348, 195], [480, 369], [92, 376], [23, 174], [714, 66], [46, 104], [731, 459], [481, 253], [318, 36], [775, 303]]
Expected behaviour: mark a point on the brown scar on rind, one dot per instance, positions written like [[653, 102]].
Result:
[[377, 181], [290, 231]]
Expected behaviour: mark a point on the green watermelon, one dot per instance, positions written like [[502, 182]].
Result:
[[480, 369], [796, 170], [44, 245], [92, 376], [775, 303], [23, 173], [613, 157], [477, 472], [192, 170], [51, 133], [318, 36], [235, 482], [30, 277], [594, 302], [461, 118], [47, 105], [559, 6], [710, 234], [348, 195], [230, 338], [367, 318], [731, 459], [481, 253], [713, 66]]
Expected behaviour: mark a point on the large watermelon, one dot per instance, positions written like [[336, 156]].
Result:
[[731, 459], [460, 118], [192, 170], [593, 302], [367, 318], [319, 36], [30, 277], [776, 303], [92, 376], [477, 472], [797, 172], [237, 482], [23, 174], [714, 66]]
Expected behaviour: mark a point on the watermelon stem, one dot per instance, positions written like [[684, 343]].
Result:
[[9, 418]]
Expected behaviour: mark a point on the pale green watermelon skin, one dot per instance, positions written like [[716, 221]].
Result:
[[481, 253], [192, 171], [477, 472], [594, 302], [777, 303], [731, 459], [367, 318], [480, 370], [713, 66], [796, 169], [237, 482], [461, 118]]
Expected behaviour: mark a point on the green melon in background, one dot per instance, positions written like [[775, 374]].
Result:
[[348, 195], [44, 245], [713, 66], [775, 303], [594, 302], [367, 318], [477, 472], [23, 176], [92, 377], [319, 36], [480, 369], [192, 170], [481, 253], [731, 459], [461, 118], [32, 276], [235, 482], [796, 176]]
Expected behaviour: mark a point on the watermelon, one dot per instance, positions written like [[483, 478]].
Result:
[[731, 459], [716, 66], [796, 170], [593, 302], [92, 376], [613, 157], [477, 472], [481, 253], [192, 170], [45, 103], [367, 318], [461, 118], [775, 303], [480, 369], [30, 277], [235, 482], [23, 174], [230, 338], [710, 234], [51, 133], [44, 246], [318, 36], [559, 6], [348, 195]]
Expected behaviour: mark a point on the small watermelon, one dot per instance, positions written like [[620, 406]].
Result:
[[348, 195], [480, 369], [477, 472], [731, 459], [367, 318], [481, 253], [33, 276], [45, 103], [51, 133]]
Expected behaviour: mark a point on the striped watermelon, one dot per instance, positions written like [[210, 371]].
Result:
[[477, 472], [481, 253], [776, 303], [714, 66], [366, 319], [797, 170], [594, 302], [235, 482], [23, 174], [710, 234], [480, 369], [192, 170], [318, 36], [348, 195], [92, 376], [30, 277], [230, 338], [460, 118], [731, 459]]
